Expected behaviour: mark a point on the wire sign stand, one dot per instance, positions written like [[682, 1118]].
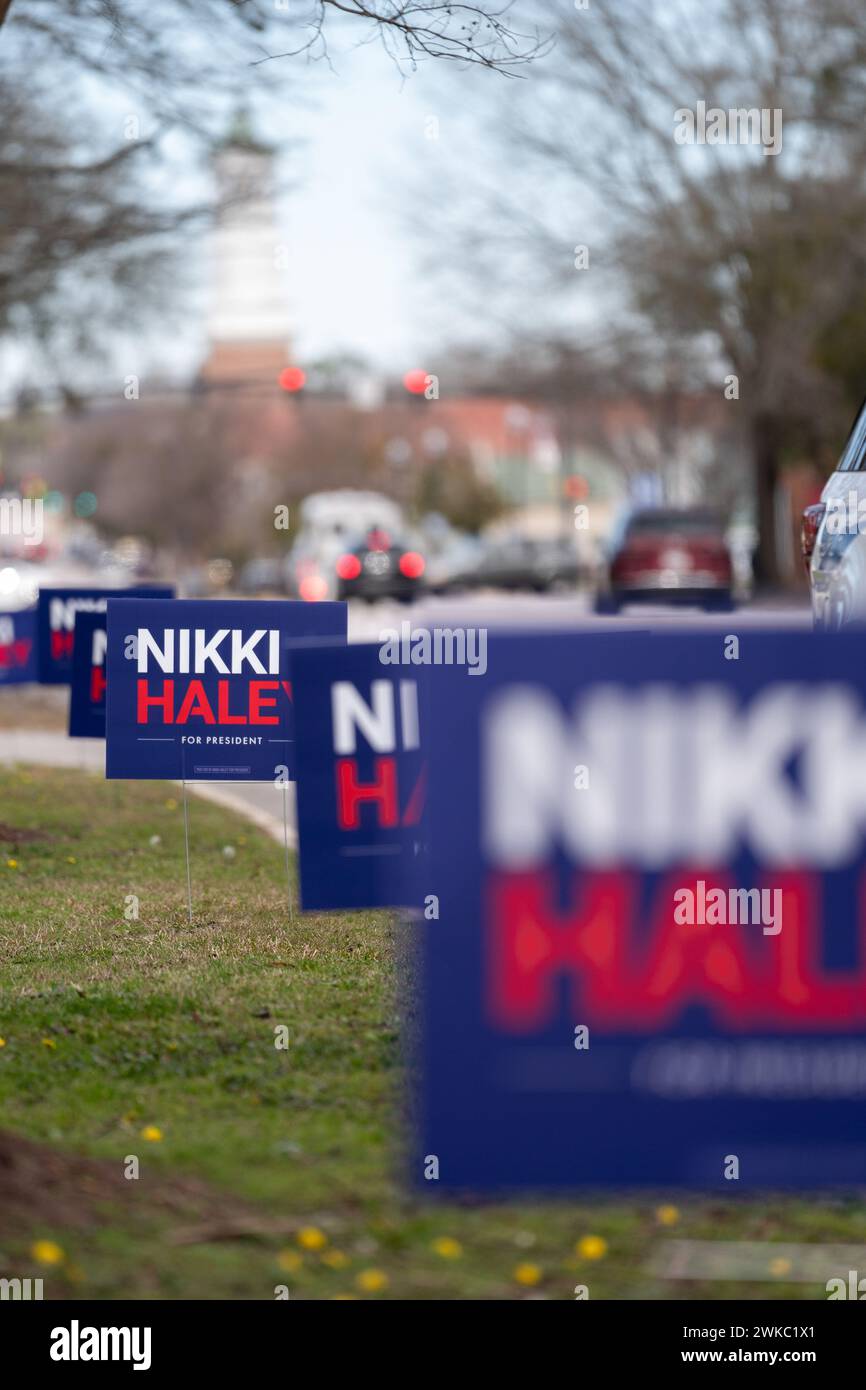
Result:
[[289, 894]]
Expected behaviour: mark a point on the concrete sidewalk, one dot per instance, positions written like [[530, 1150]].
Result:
[[262, 803]]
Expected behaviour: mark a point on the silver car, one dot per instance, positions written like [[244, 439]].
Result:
[[834, 538]]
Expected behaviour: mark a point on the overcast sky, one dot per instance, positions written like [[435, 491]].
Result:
[[362, 148]]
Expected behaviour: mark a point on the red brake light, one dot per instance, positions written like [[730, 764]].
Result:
[[348, 567], [809, 527], [412, 564]]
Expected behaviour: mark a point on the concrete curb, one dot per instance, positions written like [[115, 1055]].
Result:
[[53, 749]]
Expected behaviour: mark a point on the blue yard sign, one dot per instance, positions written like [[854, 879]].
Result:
[[201, 690], [648, 964], [87, 693], [57, 610], [18, 658], [361, 777]]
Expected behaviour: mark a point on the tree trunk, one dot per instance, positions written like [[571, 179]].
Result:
[[766, 449]]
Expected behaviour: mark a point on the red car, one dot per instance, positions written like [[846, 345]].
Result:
[[669, 554]]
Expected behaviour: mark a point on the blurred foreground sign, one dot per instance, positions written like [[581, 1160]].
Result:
[[18, 647], [361, 777], [200, 689], [649, 967], [57, 610]]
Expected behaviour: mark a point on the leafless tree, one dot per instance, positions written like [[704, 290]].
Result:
[[86, 230], [749, 263]]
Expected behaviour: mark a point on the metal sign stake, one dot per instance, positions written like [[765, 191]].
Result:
[[286, 843], [186, 847]]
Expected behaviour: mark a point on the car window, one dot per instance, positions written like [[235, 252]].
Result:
[[853, 457], [664, 523]]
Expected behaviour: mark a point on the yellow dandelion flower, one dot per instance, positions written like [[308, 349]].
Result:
[[2, 1042], [667, 1216], [11, 863], [311, 1238], [290, 1261], [152, 1133], [48, 1042], [372, 1280], [591, 1247], [780, 1267], [447, 1247], [335, 1259], [171, 804], [527, 1274], [70, 859], [47, 1252]]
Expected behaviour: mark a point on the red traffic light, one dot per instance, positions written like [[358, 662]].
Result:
[[416, 382], [292, 378]]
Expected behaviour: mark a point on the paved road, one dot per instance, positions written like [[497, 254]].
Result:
[[574, 611]]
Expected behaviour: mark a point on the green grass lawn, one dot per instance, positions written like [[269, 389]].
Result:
[[154, 1038]]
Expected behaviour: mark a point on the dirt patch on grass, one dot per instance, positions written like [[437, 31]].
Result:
[[17, 835], [44, 1189]]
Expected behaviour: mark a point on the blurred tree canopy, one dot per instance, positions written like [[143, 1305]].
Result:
[[716, 259], [93, 94]]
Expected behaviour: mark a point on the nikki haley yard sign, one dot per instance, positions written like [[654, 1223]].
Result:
[[649, 965], [87, 690], [201, 689], [361, 777], [18, 647], [57, 610]]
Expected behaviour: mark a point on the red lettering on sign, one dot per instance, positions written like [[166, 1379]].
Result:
[[15, 653], [382, 791], [622, 977], [165, 702], [61, 645], [97, 683], [196, 704]]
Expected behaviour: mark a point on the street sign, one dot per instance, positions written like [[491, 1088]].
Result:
[[57, 610], [18, 647], [87, 692], [361, 777], [649, 962], [200, 689]]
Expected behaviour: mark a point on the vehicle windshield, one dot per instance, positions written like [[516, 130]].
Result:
[[684, 523]]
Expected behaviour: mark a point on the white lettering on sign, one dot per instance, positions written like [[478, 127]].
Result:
[[677, 776], [194, 651], [62, 611], [376, 722], [100, 641]]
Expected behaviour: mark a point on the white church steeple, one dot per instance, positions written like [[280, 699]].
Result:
[[248, 315]]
